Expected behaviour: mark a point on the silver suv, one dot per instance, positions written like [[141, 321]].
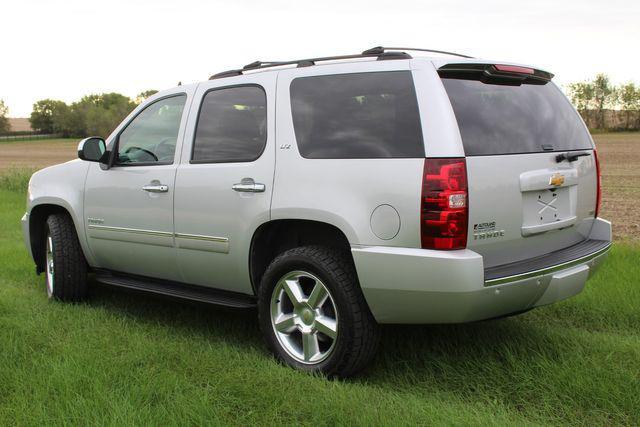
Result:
[[335, 194]]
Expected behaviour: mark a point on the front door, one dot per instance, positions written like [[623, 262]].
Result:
[[129, 207], [224, 182]]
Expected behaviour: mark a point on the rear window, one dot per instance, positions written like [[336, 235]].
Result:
[[500, 119], [361, 115]]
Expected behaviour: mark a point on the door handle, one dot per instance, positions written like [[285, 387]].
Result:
[[248, 185], [156, 188]]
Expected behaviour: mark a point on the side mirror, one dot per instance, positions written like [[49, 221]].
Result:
[[93, 149]]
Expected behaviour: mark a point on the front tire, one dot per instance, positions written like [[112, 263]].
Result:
[[65, 265], [313, 315]]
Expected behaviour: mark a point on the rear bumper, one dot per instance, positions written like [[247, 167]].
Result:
[[404, 285]]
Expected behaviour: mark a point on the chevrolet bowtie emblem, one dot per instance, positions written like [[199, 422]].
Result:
[[557, 179]]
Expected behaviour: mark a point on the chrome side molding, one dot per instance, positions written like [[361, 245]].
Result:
[[169, 234], [131, 230], [201, 237]]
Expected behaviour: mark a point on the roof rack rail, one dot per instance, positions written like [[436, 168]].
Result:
[[381, 49], [382, 53]]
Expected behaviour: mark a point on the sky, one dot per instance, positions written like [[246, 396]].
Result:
[[67, 49]]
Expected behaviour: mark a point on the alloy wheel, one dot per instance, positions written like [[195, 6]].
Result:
[[304, 317], [50, 266]]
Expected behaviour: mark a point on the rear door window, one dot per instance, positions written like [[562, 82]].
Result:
[[501, 119], [232, 125], [360, 115]]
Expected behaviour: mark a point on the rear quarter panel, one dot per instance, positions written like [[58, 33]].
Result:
[[345, 192]]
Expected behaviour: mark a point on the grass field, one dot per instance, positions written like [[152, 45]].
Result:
[[128, 359]]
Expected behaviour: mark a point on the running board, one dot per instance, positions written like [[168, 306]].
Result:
[[176, 289]]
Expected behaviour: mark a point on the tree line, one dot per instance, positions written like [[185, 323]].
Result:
[[606, 106], [602, 105], [4, 121], [96, 114]]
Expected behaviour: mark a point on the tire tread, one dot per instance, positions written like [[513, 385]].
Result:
[[70, 265]]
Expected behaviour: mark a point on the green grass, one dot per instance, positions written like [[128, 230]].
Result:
[[129, 359], [15, 179]]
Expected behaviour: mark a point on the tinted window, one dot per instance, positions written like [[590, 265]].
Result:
[[232, 126], [363, 115], [151, 136], [498, 119]]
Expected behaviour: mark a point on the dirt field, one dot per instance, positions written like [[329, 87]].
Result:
[[36, 154], [620, 163], [619, 156], [20, 124]]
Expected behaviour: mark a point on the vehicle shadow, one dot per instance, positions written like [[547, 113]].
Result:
[[205, 321], [455, 358]]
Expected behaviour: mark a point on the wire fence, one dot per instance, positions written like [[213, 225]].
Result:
[[28, 136]]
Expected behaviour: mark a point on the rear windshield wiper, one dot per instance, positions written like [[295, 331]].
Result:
[[571, 157]]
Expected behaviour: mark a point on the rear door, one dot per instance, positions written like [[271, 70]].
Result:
[[225, 180], [524, 201]]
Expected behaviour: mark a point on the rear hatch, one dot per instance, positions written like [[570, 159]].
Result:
[[530, 161]]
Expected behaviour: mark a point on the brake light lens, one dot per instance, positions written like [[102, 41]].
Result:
[[599, 193], [444, 214], [513, 69]]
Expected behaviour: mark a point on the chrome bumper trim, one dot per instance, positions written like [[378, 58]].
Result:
[[547, 270]]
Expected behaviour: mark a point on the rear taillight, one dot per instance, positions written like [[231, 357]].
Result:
[[599, 193], [444, 214]]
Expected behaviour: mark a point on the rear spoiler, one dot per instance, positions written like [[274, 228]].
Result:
[[512, 75]]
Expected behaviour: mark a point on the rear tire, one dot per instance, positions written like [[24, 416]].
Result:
[[65, 265], [313, 315]]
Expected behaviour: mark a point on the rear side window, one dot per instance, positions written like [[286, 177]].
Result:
[[500, 119], [232, 126], [361, 115]]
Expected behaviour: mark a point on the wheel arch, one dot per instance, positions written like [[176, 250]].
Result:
[[276, 236], [37, 220]]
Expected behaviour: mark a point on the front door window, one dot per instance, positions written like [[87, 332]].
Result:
[[150, 138]]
